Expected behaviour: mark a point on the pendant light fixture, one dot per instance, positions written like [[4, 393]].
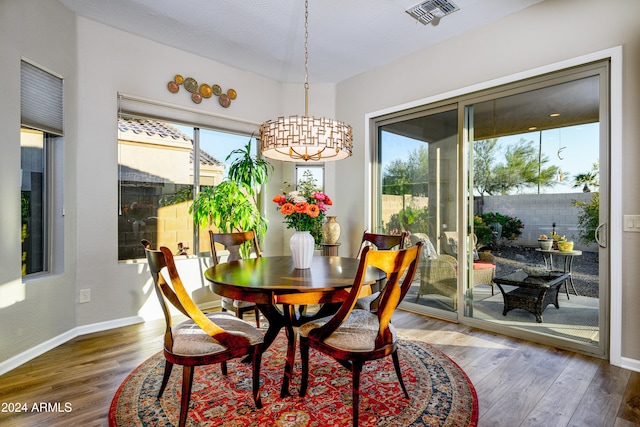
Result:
[[306, 138]]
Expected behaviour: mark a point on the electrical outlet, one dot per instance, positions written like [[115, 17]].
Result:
[[85, 295]]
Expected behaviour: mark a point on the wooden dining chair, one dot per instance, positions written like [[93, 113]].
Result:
[[204, 339], [382, 242], [355, 336], [232, 243], [369, 294]]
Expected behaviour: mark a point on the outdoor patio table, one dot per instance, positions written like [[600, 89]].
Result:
[[568, 263], [531, 293], [268, 281]]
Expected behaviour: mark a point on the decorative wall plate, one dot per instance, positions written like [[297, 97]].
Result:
[[173, 87], [205, 90], [198, 92], [224, 100], [191, 85]]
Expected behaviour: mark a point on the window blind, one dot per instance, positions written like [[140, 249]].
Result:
[[40, 99], [144, 108]]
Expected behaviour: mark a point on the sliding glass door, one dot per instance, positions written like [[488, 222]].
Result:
[[537, 156], [418, 186], [481, 179]]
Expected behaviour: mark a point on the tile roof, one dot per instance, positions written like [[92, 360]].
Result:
[[163, 130], [207, 159], [151, 128]]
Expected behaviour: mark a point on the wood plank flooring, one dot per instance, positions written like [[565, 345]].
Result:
[[518, 383]]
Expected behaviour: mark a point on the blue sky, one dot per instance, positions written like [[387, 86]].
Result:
[[219, 144], [573, 149]]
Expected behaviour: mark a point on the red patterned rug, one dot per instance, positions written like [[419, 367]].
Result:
[[441, 393]]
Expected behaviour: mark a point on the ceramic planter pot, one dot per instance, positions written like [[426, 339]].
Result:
[[565, 246], [545, 245]]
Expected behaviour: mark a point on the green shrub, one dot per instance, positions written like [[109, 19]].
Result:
[[511, 227], [589, 218], [409, 219], [482, 230]]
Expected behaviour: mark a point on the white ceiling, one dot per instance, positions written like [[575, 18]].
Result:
[[346, 37]]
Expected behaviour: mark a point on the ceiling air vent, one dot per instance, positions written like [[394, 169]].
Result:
[[431, 11]]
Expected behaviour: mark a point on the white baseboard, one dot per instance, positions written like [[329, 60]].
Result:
[[110, 324], [33, 352], [209, 305], [630, 364]]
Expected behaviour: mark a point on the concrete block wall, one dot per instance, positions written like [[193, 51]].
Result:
[[539, 212]]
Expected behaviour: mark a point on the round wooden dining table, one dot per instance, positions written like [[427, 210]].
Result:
[[271, 281]]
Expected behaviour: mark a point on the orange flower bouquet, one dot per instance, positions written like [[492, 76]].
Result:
[[303, 212]]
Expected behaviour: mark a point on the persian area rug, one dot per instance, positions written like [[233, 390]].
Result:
[[440, 393]]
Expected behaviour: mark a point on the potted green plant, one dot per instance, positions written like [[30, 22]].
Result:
[[232, 205]]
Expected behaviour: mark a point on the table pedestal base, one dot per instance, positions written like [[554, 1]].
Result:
[[289, 318]]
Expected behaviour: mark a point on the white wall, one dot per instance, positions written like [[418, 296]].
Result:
[[111, 62], [546, 33], [98, 62], [37, 310]]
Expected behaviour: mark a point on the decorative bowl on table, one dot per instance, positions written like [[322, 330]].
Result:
[[546, 244], [565, 246], [535, 270]]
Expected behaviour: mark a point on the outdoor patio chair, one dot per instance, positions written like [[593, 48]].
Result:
[[440, 275]]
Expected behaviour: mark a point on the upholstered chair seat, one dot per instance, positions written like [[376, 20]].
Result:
[[357, 333], [190, 340]]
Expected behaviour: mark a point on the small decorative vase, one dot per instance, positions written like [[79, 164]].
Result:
[[302, 245], [330, 230]]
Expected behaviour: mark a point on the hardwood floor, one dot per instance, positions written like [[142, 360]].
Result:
[[518, 383]]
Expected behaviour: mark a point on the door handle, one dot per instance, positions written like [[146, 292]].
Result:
[[596, 234]]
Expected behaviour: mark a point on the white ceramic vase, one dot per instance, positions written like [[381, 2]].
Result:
[[302, 245]]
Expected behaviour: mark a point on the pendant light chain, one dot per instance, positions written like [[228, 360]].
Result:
[[316, 139], [306, 58]]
